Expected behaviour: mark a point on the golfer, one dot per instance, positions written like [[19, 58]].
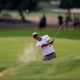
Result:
[[45, 43]]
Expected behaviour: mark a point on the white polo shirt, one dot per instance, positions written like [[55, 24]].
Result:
[[48, 49]]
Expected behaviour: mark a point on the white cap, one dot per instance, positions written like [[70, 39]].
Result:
[[34, 34]]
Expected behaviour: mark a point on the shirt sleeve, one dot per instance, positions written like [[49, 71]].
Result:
[[47, 37], [38, 45]]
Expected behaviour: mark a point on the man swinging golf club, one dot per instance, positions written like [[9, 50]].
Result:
[[45, 43]]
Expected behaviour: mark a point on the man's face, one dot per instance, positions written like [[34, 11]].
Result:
[[38, 37]]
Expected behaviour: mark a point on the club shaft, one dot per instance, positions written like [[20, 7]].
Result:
[[58, 30]]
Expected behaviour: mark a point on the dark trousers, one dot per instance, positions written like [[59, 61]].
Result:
[[50, 56]]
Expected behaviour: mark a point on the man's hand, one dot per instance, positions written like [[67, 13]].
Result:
[[50, 42]]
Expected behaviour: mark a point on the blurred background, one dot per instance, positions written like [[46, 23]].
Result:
[[40, 14]]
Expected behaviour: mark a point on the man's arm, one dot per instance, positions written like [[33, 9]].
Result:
[[48, 43]]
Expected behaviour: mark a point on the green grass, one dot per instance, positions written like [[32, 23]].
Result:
[[9, 48], [69, 34], [48, 14], [38, 14], [65, 67]]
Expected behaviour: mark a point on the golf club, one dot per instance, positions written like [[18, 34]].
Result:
[[58, 30]]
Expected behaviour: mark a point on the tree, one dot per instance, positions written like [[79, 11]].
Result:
[[69, 4], [66, 4], [19, 5]]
